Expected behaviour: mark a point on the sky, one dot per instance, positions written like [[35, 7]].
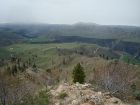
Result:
[[104, 12]]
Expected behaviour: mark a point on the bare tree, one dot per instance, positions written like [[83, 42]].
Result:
[[12, 89], [5, 83], [114, 77]]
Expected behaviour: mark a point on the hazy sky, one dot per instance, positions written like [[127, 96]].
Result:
[[106, 12]]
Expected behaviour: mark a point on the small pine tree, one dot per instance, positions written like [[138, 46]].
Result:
[[64, 62], [8, 70], [29, 63], [15, 69], [2, 60], [107, 58], [78, 74], [13, 59], [24, 66], [18, 61], [34, 66], [128, 61], [103, 55]]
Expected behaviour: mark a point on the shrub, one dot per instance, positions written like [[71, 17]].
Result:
[[40, 99], [137, 95], [62, 95]]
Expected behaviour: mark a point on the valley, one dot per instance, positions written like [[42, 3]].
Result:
[[44, 54], [122, 38], [36, 59]]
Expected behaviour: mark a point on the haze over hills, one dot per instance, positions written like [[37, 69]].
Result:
[[90, 30], [123, 38]]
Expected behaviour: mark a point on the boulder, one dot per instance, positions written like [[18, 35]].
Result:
[[96, 99], [75, 102], [107, 95], [91, 102], [57, 103], [60, 88], [113, 100]]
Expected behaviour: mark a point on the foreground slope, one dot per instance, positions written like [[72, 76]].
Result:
[[82, 94]]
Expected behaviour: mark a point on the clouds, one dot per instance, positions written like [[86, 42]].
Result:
[[120, 12]]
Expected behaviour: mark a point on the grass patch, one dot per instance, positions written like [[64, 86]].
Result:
[[41, 39], [62, 95], [132, 40], [127, 56], [40, 99]]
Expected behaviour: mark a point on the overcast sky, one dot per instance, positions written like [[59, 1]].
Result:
[[105, 12]]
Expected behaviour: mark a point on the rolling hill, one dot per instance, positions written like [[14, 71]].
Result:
[[123, 38]]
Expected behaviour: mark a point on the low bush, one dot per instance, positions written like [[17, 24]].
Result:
[[137, 95], [62, 95]]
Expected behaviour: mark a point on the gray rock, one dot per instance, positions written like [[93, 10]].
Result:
[[113, 100], [75, 102], [96, 99]]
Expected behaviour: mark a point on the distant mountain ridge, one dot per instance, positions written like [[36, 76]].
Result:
[[114, 37], [90, 30]]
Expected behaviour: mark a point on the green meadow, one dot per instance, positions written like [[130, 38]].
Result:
[[40, 54], [127, 56], [48, 55], [132, 40]]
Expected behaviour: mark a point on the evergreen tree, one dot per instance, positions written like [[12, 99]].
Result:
[[24, 66], [13, 59], [103, 55], [107, 58], [18, 61], [2, 60], [29, 63], [128, 61], [15, 69], [34, 66], [64, 62], [78, 74], [8, 70]]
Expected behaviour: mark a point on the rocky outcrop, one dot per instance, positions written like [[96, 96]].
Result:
[[82, 94]]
